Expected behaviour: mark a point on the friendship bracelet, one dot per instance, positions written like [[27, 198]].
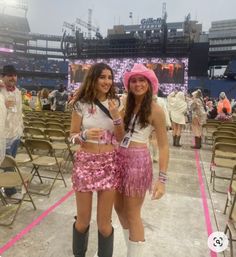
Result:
[[162, 174], [162, 177], [83, 135], [74, 137], [117, 122]]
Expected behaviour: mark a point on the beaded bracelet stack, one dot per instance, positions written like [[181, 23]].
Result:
[[117, 122], [82, 137], [162, 177]]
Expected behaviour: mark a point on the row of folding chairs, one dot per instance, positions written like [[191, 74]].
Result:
[[223, 167], [10, 179], [49, 124], [57, 137], [230, 228], [213, 129]]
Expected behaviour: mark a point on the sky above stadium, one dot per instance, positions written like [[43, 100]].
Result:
[[47, 16]]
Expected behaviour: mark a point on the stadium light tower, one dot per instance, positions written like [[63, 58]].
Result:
[[16, 4], [89, 27]]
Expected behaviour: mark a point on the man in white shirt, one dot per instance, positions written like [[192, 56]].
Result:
[[14, 119]]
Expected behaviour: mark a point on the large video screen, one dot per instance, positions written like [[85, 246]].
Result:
[[172, 73]]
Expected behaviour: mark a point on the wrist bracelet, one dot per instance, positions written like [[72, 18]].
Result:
[[83, 135], [117, 122], [162, 177]]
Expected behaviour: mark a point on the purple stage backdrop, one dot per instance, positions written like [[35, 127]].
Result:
[[172, 73]]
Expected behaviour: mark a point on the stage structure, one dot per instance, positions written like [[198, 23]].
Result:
[[171, 72]]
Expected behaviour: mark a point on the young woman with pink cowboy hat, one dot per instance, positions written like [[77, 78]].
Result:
[[142, 116]]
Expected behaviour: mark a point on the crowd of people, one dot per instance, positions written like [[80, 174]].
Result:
[[113, 134]]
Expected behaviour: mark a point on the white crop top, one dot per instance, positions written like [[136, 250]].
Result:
[[140, 135], [94, 117]]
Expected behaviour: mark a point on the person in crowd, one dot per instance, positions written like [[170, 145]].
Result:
[[3, 116], [96, 125], [14, 119], [26, 97], [199, 116], [142, 116], [161, 101], [76, 73], [211, 109], [177, 107], [223, 103], [224, 116], [59, 98], [44, 100]]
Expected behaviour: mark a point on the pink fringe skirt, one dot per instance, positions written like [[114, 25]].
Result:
[[135, 167], [95, 172]]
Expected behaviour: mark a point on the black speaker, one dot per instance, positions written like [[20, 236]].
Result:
[[198, 60]]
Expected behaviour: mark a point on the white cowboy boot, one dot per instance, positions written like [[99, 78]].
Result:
[[126, 236], [135, 249]]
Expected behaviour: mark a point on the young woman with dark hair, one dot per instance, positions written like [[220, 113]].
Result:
[[96, 125], [142, 116]]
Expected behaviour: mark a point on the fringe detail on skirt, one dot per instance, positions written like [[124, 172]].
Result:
[[135, 167]]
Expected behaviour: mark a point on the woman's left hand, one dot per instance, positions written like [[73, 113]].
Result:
[[113, 109], [158, 190]]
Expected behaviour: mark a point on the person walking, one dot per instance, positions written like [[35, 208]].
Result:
[[177, 106], [97, 126], [199, 116], [142, 116]]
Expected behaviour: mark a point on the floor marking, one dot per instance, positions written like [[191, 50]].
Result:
[[204, 198], [27, 229]]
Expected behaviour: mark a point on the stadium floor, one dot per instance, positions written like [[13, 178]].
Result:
[[177, 225]]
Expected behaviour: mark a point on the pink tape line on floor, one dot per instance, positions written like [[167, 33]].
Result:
[[204, 199], [23, 232]]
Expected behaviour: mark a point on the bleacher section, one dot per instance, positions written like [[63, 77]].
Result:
[[34, 65], [13, 23]]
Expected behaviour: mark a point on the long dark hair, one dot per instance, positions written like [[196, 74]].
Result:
[[144, 111], [87, 92]]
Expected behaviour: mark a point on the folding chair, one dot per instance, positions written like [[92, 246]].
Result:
[[227, 129], [208, 130], [222, 133], [231, 226], [23, 156], [224, 139], [231, 189], [30, 132], [14, 179], [60, 143], [37, 124], [224, 156], [46, 159], [55, 125]]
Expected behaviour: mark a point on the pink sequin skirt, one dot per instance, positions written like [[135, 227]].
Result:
[[95, 172], [135, 167]]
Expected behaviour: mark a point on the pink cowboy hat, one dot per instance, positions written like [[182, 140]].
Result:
[[140, 69]]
